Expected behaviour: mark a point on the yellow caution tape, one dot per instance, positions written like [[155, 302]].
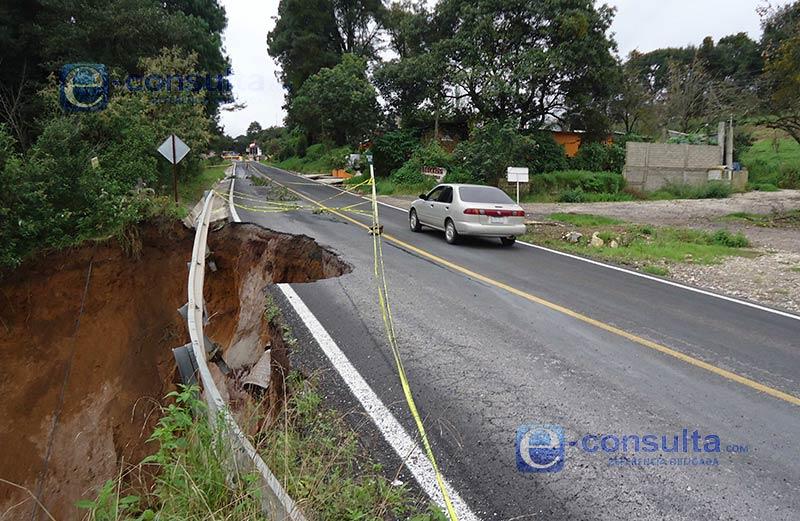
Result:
[[386, 313]]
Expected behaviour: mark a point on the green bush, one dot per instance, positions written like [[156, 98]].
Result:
[[731, 240], [789, 176], [571, 180], [574, 195], [492, 148], [762, 187], [431, 155], [598, 157], [316, 151], [392, 149], [766, 160]]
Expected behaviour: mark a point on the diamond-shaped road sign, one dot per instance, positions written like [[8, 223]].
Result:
[[174, 149]]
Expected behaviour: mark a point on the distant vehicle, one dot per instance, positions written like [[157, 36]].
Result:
[[457, 209]]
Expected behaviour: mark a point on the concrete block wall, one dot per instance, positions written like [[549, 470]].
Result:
[[650, 166]]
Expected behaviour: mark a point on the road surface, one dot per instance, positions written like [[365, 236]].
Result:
[[496, 338]]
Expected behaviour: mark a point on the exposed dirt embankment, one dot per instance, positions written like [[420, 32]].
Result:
[[85, 349]]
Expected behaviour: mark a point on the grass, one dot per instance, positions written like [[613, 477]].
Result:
[[656, 270], [188, 474], [770, 161], [712, 190], [651, 246], [312, 450], [583, 219], [318, 458], [790, 218], [191, 190]]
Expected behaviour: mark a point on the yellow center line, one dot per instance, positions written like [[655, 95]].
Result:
[[775, 393]]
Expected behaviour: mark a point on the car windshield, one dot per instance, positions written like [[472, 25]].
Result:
[[484, 194]]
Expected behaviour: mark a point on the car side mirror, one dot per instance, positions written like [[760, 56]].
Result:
[[423, 197]]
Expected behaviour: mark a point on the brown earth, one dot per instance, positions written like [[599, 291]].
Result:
[[85, 349]]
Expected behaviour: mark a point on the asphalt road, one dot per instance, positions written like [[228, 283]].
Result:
[[484, 360]]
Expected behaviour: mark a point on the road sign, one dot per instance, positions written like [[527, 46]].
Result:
[[174, 149], [517, 174]]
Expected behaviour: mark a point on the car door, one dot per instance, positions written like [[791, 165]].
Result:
[[441, 207], [426, 209]]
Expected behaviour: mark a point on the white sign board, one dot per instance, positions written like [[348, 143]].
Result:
[[517, 174], [174, 149]]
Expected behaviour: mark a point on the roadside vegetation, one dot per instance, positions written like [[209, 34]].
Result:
[[650, 248], [188, 471], [191, 190], [773, 163], [311, 449], [788, 219]]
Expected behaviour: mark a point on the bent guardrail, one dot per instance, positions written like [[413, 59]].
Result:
[[276, 503]]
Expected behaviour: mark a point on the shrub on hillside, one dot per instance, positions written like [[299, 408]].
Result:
[[431, 155], [598, 157], [392, 149], [789, 176], [492, 148]]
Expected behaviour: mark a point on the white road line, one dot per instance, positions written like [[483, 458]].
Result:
[[234, 213], [665, 281], [615, 268], [407, 450]]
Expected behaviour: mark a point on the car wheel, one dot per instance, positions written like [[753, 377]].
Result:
[[450, 232], [508, 241], [413, 221]]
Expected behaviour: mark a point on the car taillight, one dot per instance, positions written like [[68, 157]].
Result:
[[495, 213]]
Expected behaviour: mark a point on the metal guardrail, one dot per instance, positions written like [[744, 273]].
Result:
[[276, 503]]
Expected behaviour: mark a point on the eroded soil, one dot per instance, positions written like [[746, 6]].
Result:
[[85, 349]]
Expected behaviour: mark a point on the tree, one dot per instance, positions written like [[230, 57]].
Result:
[[686, 94], [304, 41], [735, 58], [632, 104], [38, 38], [528, 60], [253, 130], [337, 103], [310, 35], [781, 81]]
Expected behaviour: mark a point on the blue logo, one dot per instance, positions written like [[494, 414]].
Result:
[[84, 87], [540, 448]]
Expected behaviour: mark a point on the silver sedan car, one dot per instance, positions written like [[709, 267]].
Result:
[[478, 210]]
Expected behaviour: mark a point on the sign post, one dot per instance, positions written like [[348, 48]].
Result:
[[517, 174], [174, 150]]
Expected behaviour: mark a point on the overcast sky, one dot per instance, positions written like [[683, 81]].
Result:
[[639, 24]]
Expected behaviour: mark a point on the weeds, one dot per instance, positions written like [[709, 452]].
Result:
[[711, 190], [190, 477], [656, 270], [316, 455], [649, 245]]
